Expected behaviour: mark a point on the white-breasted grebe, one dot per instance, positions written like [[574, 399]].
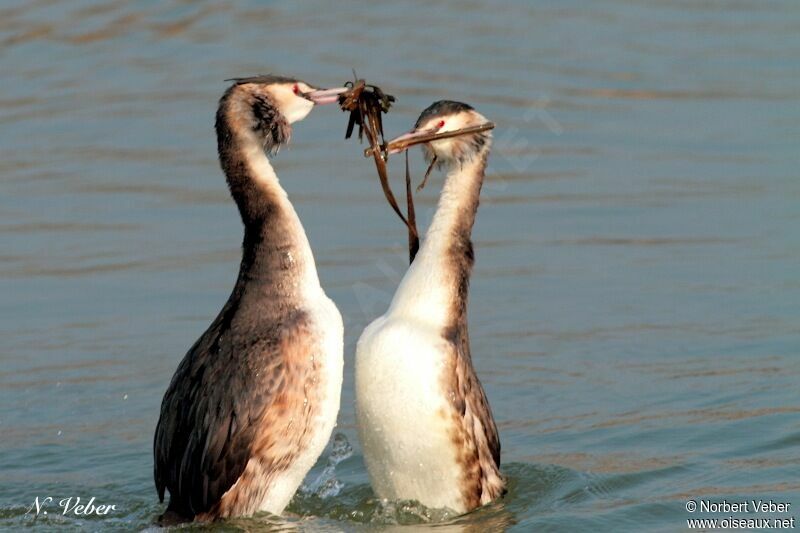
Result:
[[254, 401], [424, 422]]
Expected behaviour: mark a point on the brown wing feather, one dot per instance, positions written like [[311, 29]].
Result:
[[474, 430], [284, 430], [476, 397], [218, 407]]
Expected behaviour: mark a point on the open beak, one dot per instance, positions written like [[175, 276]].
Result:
[[325, 96]]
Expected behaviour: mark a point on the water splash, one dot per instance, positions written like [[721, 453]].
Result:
[[407, 512], [326, 485]]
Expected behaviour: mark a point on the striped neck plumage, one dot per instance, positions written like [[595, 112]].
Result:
[[436, 284]]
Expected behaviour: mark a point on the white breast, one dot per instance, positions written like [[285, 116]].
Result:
[[403, 416], [328, 321]]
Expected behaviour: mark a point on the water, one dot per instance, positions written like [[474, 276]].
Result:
[[635, 310]]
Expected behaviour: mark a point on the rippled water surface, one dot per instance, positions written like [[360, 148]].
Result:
[[635, 307]]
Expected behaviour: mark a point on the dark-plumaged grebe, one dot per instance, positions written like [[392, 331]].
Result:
[[253, 403], [424, 422]]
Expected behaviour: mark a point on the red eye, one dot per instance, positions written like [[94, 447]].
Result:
[[296, 89], [440, 125]]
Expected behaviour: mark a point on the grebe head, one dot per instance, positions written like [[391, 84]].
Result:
[[448, 116], [268, 105]]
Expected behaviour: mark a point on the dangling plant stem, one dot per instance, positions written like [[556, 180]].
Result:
[[413, 236], [365, 104], [427, 172]]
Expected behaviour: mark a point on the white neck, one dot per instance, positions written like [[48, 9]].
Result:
[[430, 286]]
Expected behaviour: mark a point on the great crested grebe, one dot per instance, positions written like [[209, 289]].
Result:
[[253, 403], [424, 422]]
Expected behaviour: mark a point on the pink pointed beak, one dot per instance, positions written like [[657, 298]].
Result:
[[412, 138], [325, 96], [407, 140]]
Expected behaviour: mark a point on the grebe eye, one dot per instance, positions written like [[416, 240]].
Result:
[[296, 89], [440, 125]]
